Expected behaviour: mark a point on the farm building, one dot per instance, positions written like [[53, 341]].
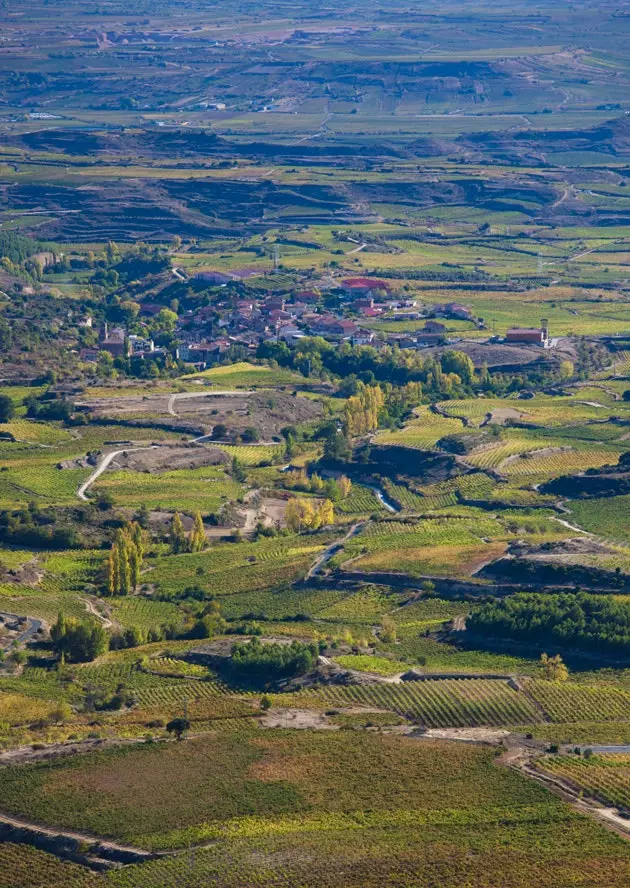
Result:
[[529, 335], [434, 327]]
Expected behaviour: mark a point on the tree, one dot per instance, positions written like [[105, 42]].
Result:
[[219, 431], [459, 363], [7, 408], [326, 513], [345, 486], [125, 559], [388, 629], [78, 640], [238, 472], [361, 412], [265, 702], [197, 538], [553, 668], [177, 535], [567, 370], [61, 714], [299, 514], [178, 726], [250, 435]]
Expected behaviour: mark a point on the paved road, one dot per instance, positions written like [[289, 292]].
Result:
[[33, 626], [328, 553]]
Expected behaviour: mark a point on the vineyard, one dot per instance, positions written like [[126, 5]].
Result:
[[604, 777], [562, 462], [25, 867], [243, 375], [567, 702], [447, 545], [184, 490], [252, 454], [423, 432], [222, 779], [245, 567], [36, 432], [360, 501], [443, 703]]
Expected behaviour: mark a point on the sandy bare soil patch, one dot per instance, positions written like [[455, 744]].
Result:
[[471, 735], [167, 458], [296, 718]]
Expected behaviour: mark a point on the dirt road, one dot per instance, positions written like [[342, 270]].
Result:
[[98, 471], [82, 838]]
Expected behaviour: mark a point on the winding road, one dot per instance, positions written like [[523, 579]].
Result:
[[34, 625], [328, 553]]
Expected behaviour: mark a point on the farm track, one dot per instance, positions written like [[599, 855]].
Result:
[[100, 842], [105, 462]]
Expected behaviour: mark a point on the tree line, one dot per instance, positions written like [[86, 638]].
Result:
[[572, 620]]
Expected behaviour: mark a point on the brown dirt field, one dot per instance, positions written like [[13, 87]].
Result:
[[502, 414], [267, 412], [167, 458], [296, 718]]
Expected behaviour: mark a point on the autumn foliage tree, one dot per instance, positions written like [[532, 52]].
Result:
[[197, 537], [361, 412], [125, 559], [306, 514], [177, 535]]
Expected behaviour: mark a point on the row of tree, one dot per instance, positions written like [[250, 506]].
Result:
[[333, 488], [180, 541], [125, 559]]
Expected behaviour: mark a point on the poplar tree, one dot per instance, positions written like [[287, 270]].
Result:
[[197, 538], [178, 536]]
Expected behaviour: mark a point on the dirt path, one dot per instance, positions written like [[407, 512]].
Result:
[[564, 196], [105, 462], [82, 838], [92, 609], [570, 526], [357, 249]]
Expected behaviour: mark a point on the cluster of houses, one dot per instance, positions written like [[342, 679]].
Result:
[[205, 335]]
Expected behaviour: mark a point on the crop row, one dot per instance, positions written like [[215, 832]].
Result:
[[605, 777], [568, 702], [559, 463], [443, 703]]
